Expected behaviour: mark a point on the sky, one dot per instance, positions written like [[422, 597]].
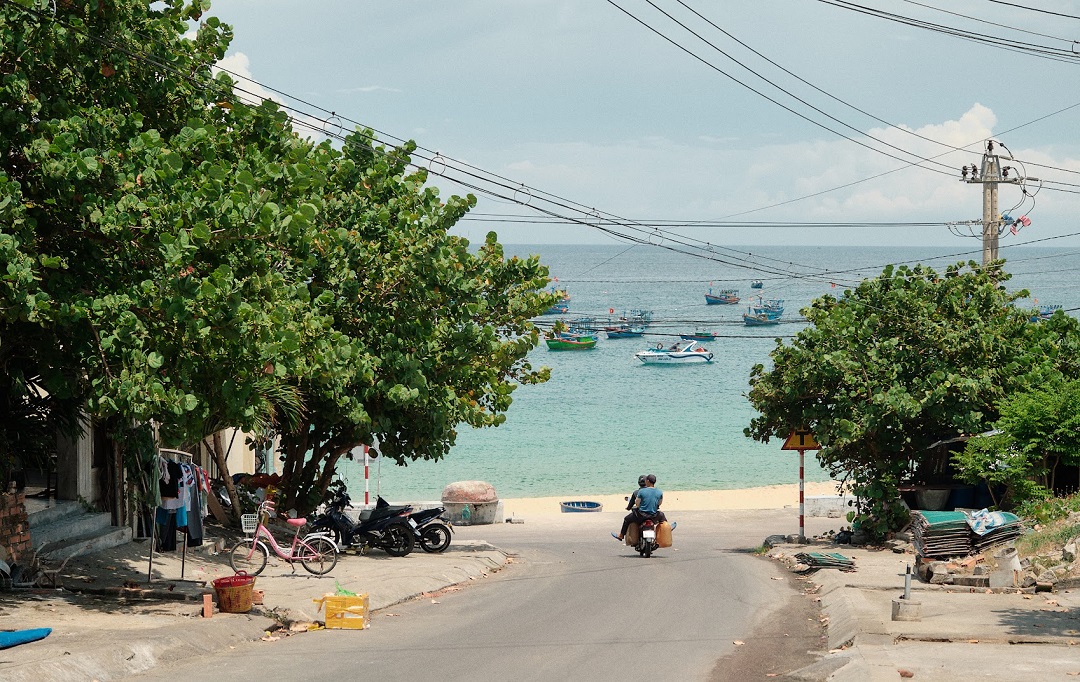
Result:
[[584, 110]]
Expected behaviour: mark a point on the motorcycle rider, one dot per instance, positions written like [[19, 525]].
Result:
[[649, 500], [632, 500]]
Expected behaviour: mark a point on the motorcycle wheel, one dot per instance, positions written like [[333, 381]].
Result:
[[398, 540], [321, 559], [434, 537], [240, 560]]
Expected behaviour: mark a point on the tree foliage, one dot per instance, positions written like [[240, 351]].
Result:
[[901, 362], [171, 255], [1038, 430]]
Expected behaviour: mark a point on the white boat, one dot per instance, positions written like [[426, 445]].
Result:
[[678, 353]]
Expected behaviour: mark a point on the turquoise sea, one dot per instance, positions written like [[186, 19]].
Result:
[[604, 418]]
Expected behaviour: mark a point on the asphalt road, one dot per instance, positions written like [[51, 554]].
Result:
[[572, 604]]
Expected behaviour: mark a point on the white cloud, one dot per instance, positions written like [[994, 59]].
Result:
[[658, 178], [238, 66]]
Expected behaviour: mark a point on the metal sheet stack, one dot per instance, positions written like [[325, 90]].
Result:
[[816, 560], [941, 534], [991, 528]]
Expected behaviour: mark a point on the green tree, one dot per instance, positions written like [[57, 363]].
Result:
[[158, 233], [900, 362], [1038, 430], [427, 333]]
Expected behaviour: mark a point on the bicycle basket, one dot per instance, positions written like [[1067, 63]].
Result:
[[249, 522]]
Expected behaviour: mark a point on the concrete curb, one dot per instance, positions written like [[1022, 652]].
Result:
[[113, 654]]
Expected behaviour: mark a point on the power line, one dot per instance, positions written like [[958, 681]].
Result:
[[1033, 9], [767, 97], [1042, 51]]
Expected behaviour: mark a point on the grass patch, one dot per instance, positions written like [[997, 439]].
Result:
[[1049, 539]]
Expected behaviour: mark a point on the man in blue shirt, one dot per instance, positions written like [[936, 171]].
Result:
[[649, 500]]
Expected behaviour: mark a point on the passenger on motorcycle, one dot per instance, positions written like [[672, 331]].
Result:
[[632, 500], [649, 500]]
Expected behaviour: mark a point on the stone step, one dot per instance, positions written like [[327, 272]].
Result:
[[56, 511], [70, 526], [79, 546]]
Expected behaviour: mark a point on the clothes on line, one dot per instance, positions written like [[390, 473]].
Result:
[[182, 487]]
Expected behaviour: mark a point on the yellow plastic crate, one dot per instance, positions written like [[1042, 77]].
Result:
[[346, 613]]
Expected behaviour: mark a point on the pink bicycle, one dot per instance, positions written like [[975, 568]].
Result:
[[317, 553]]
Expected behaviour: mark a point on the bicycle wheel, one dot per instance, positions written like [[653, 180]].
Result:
[[319, 557], [244, 557], [434, 537]]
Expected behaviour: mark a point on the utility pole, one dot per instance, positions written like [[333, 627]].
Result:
[[990, 176]]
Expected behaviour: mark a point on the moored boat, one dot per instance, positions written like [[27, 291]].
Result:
[[570, 341], [624, 331], [722, 297], [755, 319], [581, 506], [699, 335], [678, 353], [756, 284], [560, 308]]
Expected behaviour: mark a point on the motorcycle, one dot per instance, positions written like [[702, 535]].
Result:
[[645, 531], [646, 542], [430, 529], [387, 528]]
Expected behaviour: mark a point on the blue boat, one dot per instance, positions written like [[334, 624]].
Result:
[[756, 284], [722, 297], [581, 506], [558, 309], [772, 308], [624, 332], [756, 317], [1045, 312]]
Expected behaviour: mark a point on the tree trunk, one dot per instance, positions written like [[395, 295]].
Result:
[[223, 469], [119, 509]]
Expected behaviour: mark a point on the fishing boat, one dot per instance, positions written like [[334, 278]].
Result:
[[1045, 312], [771, 308], [560, 308], [756, 319], [756, 284], [700, 335], [677, 353], [722, 297], [570, 341], [581, 506], [624, 331]]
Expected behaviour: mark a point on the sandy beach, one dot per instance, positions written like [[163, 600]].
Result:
[[767, 497]]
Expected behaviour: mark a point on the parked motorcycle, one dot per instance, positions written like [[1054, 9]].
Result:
[[387, 527], [430, 529]]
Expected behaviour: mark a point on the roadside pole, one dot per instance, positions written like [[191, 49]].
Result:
[[801, 439]]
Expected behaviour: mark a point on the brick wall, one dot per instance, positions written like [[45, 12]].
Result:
[[14, 528]]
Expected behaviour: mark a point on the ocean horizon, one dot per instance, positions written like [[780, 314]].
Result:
[[604, 418]]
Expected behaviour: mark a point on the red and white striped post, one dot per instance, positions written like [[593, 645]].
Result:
[[801, 440], [802, 496]]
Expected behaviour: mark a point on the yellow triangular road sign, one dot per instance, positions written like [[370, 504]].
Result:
[[801, 439]]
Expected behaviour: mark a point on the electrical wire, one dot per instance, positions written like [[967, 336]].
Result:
[[703, 249], [1042, 51], [1033, 9], [758, 92]]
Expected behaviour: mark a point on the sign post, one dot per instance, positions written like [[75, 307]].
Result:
[[801, 439]]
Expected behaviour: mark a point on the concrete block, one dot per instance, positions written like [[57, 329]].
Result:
[[906, 609]]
